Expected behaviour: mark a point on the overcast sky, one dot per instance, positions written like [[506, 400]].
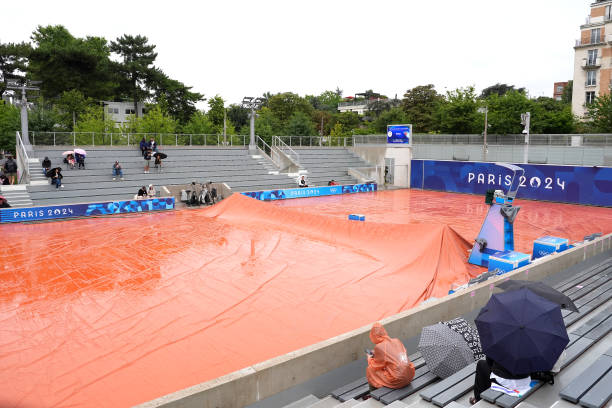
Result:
[[238, 48]]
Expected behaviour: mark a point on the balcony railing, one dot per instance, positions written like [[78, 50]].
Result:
[[588, 63]]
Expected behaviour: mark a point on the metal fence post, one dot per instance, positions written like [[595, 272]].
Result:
[[93, 141], [175, 139], [111, 139], [190, 140]]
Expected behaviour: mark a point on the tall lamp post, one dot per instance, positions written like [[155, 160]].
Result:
[[26, 86], [526, 121], [485, 148], [253, 104]]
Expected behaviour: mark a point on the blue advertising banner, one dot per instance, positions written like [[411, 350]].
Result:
[[566, 184], [305, 192], [84, 210], [399, 134]]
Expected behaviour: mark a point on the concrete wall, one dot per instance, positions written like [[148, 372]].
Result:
[[285, 163], [403, 158], [270, 377]]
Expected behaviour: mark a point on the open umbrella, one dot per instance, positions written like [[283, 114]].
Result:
[[469, 334], [67, 152], [80, 151], [51, 172], [445, 351], [541, 289], [522, 331], [161, 155]]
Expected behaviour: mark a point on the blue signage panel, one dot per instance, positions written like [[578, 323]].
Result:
[[566, 184], [399, 134], [305, 192], [84, 210]]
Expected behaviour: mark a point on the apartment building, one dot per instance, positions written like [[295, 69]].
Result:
[[559, 88], [593, 57], [119, 112]]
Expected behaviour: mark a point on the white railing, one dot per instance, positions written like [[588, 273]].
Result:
[[266, 149], [22, 160], [369, 139], [133, 139], [286, 149]]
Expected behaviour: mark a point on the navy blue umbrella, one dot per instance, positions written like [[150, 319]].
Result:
[[522, 331]]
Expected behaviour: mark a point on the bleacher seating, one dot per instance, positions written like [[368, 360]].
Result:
[[324, 164], [590, 289]]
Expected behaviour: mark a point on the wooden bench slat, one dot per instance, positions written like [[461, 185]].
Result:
[[490, 395], [593, 322], [601, 393], [429, 393], [585, 380], [588, 288], [350, 386], [355, 393], [410, 389], [379, 392], [454, 392], [581, 276], [594, 294], [575, 350], [600, 331]]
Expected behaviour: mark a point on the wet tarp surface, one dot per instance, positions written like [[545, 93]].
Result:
[[115, 311]]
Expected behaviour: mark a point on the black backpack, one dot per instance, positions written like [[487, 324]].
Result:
[[11, 166]]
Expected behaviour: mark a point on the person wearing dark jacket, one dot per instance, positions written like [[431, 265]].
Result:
[[4, 180], [10, 169], [56, 177], [80, 159], [4, 203], [46, 165], [489, 371], [143, 146], [142, 193]]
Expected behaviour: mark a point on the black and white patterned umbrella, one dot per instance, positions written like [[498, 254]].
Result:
[[469, 334], [444, 350]]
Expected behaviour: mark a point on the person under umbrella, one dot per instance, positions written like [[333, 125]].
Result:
[[521, 333], [56, 176], [541, 289], [79, 155], [444, 350], [158, 160], [469, 333]]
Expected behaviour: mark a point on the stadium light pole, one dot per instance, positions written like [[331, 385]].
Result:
[[26, 86], [485, 110], [253, 104], [526, 121]]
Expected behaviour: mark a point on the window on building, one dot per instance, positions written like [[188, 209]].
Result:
[[110, 110], [590, 97], [591, 76], [608, 14], [595, 35], [130, 111], [592, 58], [560, 88]]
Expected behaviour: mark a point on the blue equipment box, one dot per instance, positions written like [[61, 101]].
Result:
[[506, 261], [548, 245], [356, 217]]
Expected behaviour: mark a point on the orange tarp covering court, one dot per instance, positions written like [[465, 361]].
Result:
[[116, 311]]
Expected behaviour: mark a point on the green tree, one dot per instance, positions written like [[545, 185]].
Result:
[[13, 62], [394, 116], [156, 121], [567, 92], [199, 123], [499, 90], [239, 116], [44, 117], [216, 111], [175, 98], [459, 112], [10, 122], [551, 116], [137, 65], [420, 104], [300, 124], [505, 112], [283, 105], [267, 124], [600, 114], [92, 119], [72, 104], [63, 62]]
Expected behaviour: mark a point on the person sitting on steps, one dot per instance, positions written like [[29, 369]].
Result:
[[117, 171]]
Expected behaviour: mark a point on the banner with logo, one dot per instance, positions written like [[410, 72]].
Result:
[[305, 192], [566, 184], [84, 210]]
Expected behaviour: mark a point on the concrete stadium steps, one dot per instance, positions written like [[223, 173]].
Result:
[[16, 195], [325, 163], [233, 166]]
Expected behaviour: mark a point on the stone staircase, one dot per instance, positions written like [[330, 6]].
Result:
[[16, 195]]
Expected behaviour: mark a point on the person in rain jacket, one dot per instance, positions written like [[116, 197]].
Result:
[[388, 365]]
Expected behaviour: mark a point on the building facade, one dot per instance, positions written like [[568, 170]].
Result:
[[119, 112], [559, 87], [593, 57]]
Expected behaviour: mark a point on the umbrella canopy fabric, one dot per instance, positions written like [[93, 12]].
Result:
[[541, 289], [522, 331], [51, 172], [80, 151], [160, 154], [469, 334], [67, 152], [445, 351]]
